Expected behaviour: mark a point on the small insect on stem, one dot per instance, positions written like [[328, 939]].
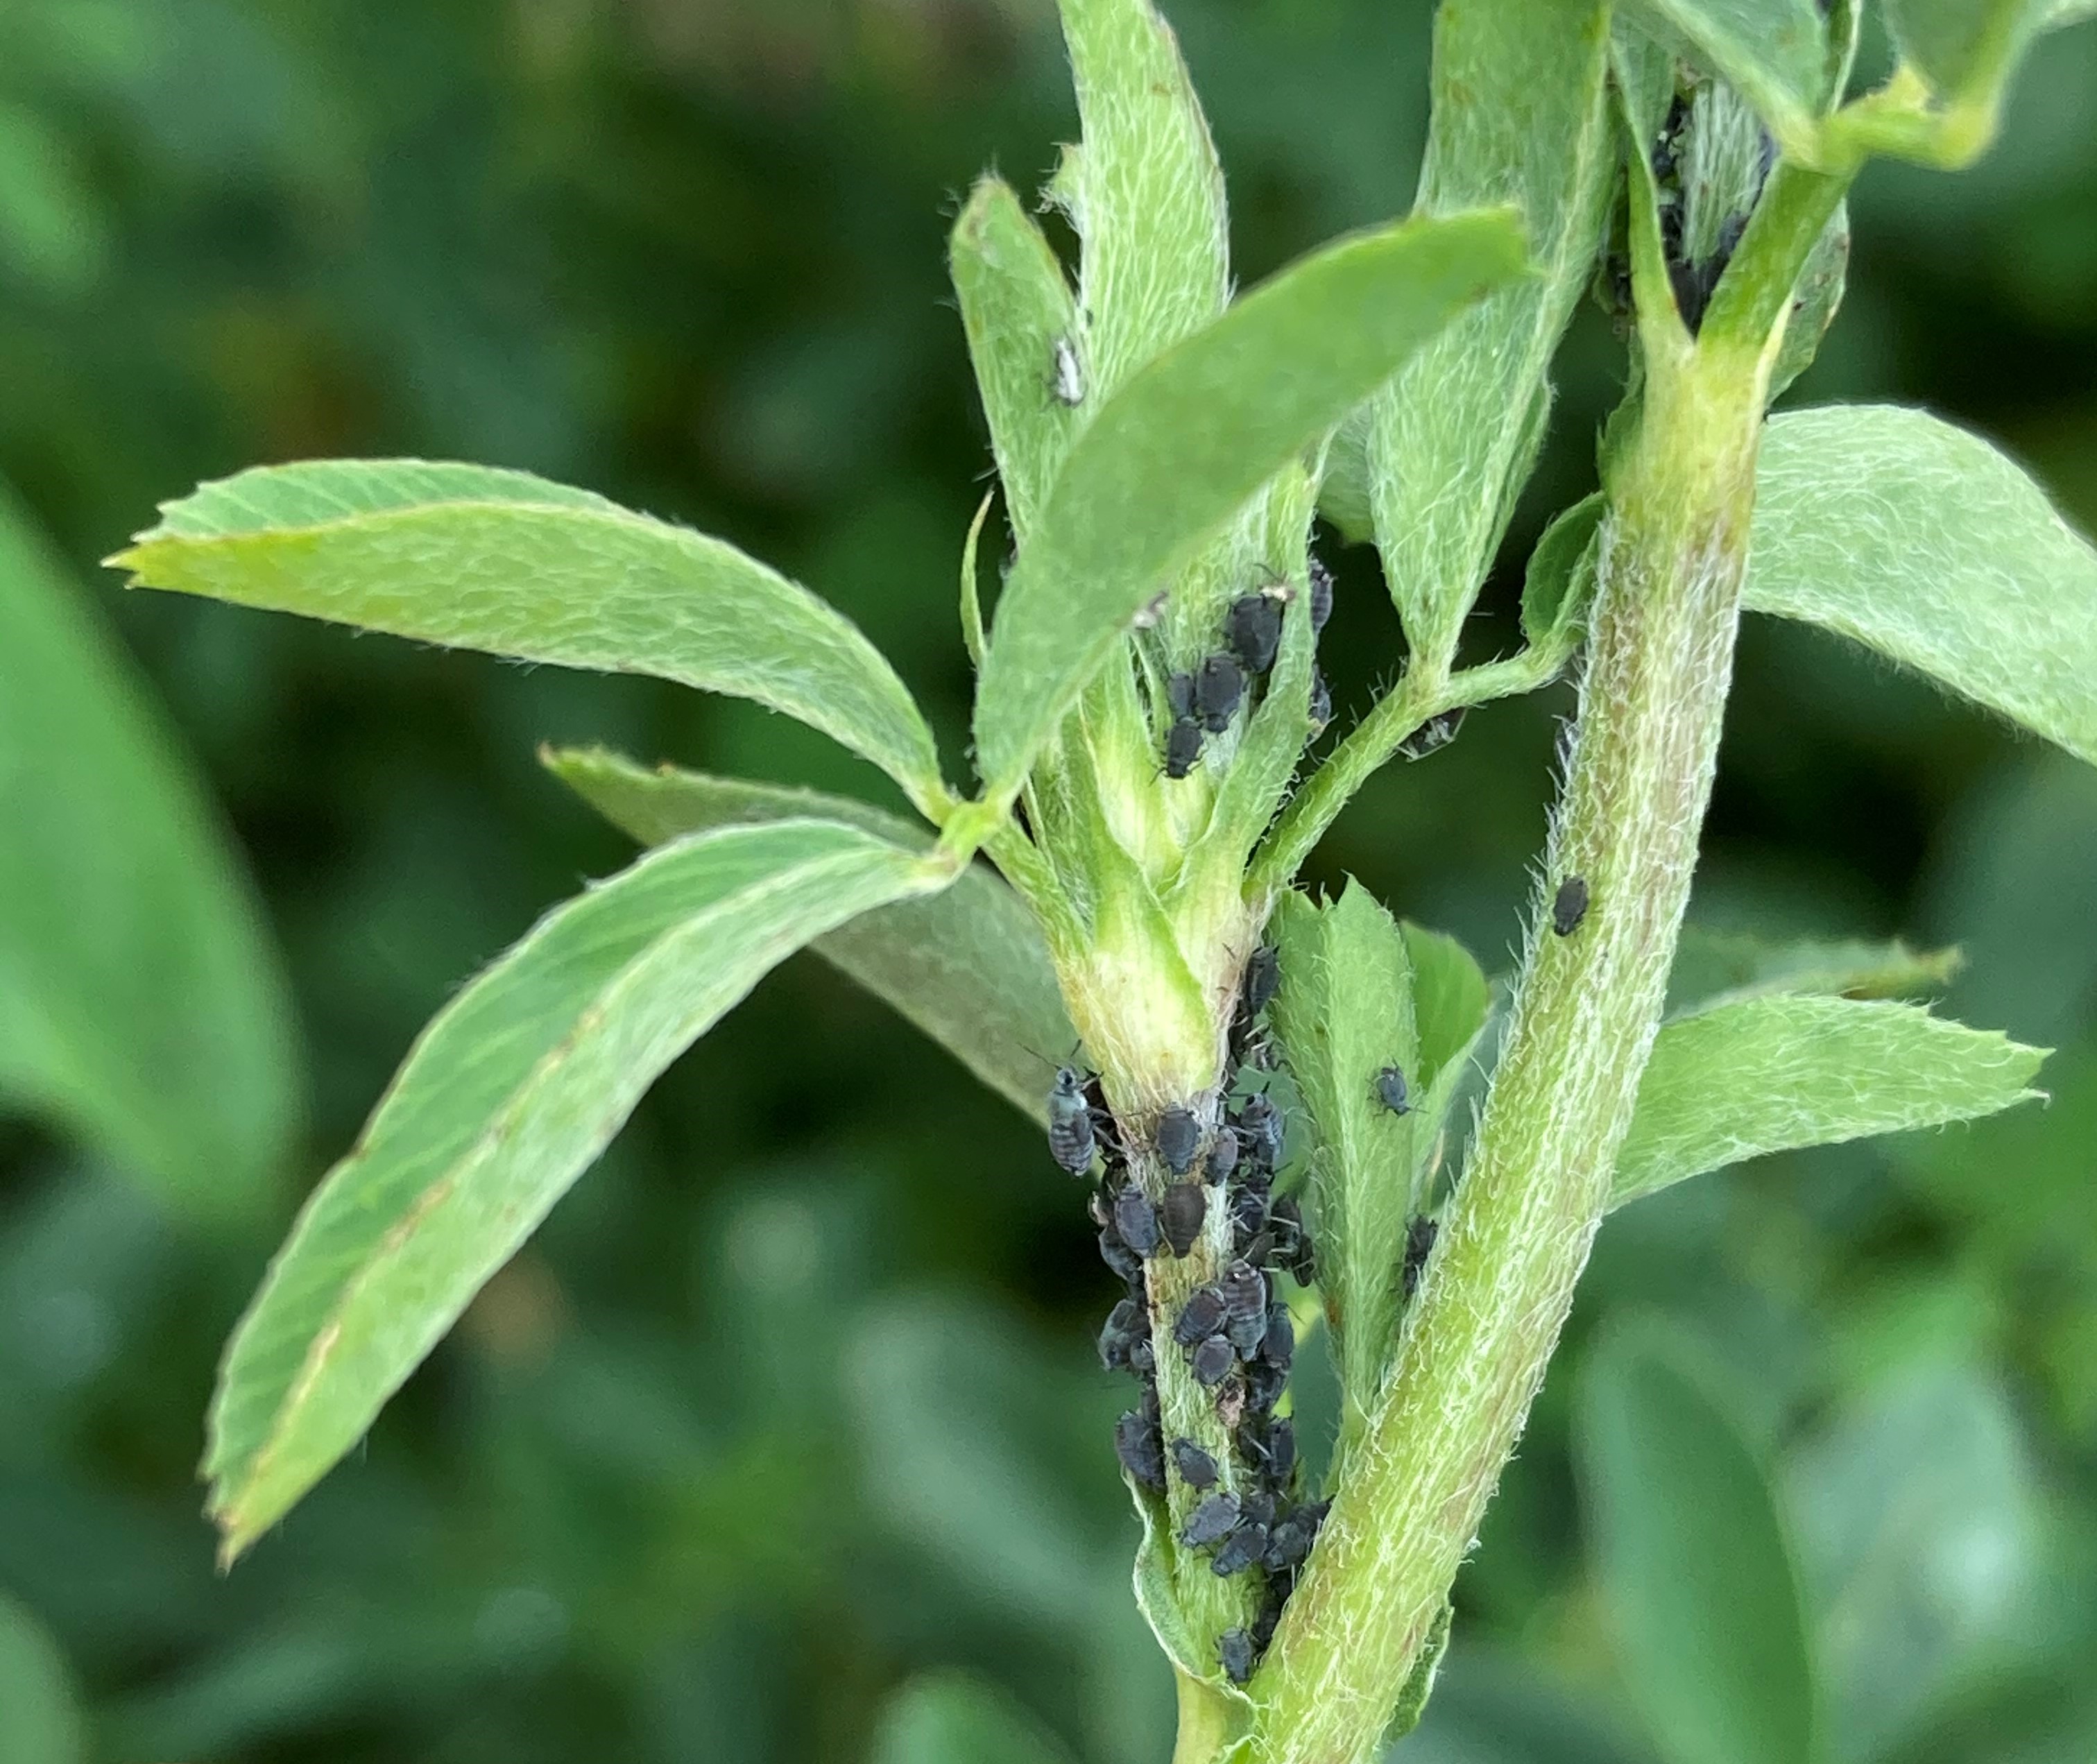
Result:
[[1218, 687], [1066, 380], [1183, 747], [1390, 1091], [1234, 1653], [1420, 1235], [1072, 1142], [1178, 1136], [1253, 629], [1569, 906], [1321, 592]]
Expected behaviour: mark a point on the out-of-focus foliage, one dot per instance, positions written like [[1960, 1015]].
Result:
[[794, 1403]]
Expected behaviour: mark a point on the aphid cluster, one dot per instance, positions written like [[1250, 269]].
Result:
[[1694, 278], [1233, 1332], [1204, 700]]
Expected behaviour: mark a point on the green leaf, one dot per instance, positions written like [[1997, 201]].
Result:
[[1520, 115], [1450, 998], [1770, 1074], [1692, 1560], [509, 1094], [967, 966], [141, 1003], [1560, 578], [1959, 44], [1814, 302], [501, 561], [1019, 313], [40, 1715], [949, 1717], [1922, 542], [1717, 968], [1343, 1012], [1145, 192], [1174, 454], [1420, 1685], [1774, 52]]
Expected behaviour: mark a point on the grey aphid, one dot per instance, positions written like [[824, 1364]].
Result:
[[1142, 1452], [1234, 1652], [1181, 1211], [1223, 1159], [1321, 591], [1213, 1360], [1218, 688], [1199, 1317], [1568, 906], [1239, 1551], [1419, 1236], [1197, 1468], [1210, 1522], [1246, 1334], [1390, 1091], [1136, 1220], [1126, 1323], [1072, 1142], [1319, 713], [1179, 695], [1253, 629], [1260, 1127], [1068, 382], [1183, 747], [1178, 1136], [1263, 979], [1244, 1289]]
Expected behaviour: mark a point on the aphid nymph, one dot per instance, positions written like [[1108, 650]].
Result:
[[1197, 1468], [1179, 1137], [1218, 688], [1321, 591], [1071, 1137], [1390, 1091], [1181, 1211], [1262, 977], [1183, 747], [1136, 1220], [1234, 1653], [1569, 906]]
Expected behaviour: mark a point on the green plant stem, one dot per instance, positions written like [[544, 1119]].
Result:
[[1479, 1335], [1752, 296], [1420, 695]]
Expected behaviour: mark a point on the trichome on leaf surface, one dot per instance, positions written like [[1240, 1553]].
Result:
[[1263, 1110]]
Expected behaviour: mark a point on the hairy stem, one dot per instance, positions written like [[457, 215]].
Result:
[[1481, 1332], [1420, 695]]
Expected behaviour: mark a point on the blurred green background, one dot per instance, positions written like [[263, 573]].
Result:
[[795, 1397]]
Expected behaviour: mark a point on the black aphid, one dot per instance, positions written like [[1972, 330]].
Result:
[[1179, 695], [1197, 1468], [1179, 1137], [1181, 1212], [1569, 906], [1141, 1451], [1270, 1447], [1183, 747], [1199, 1317], [1065, 381], [1249, 1208], [1288, 1542], [1119, 1256], [1321, 590], [1142, 1358], [1071, 1140], [1260, 1128], [1419, 1244], [1246, 1334], [1257, 1504], [1319, 712], [1223, 1159], [1390, 1091], [1262, 978], [1136, 1220], [1264, 1382], [1253, 629], [1218, 687], [1301, 1261], [1264, 1625], [1213, 1360], [1277, 1343], [1234, 1651], [1245, 1291], [1127, 1323], [1210, 1522], [1241, 1550]]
